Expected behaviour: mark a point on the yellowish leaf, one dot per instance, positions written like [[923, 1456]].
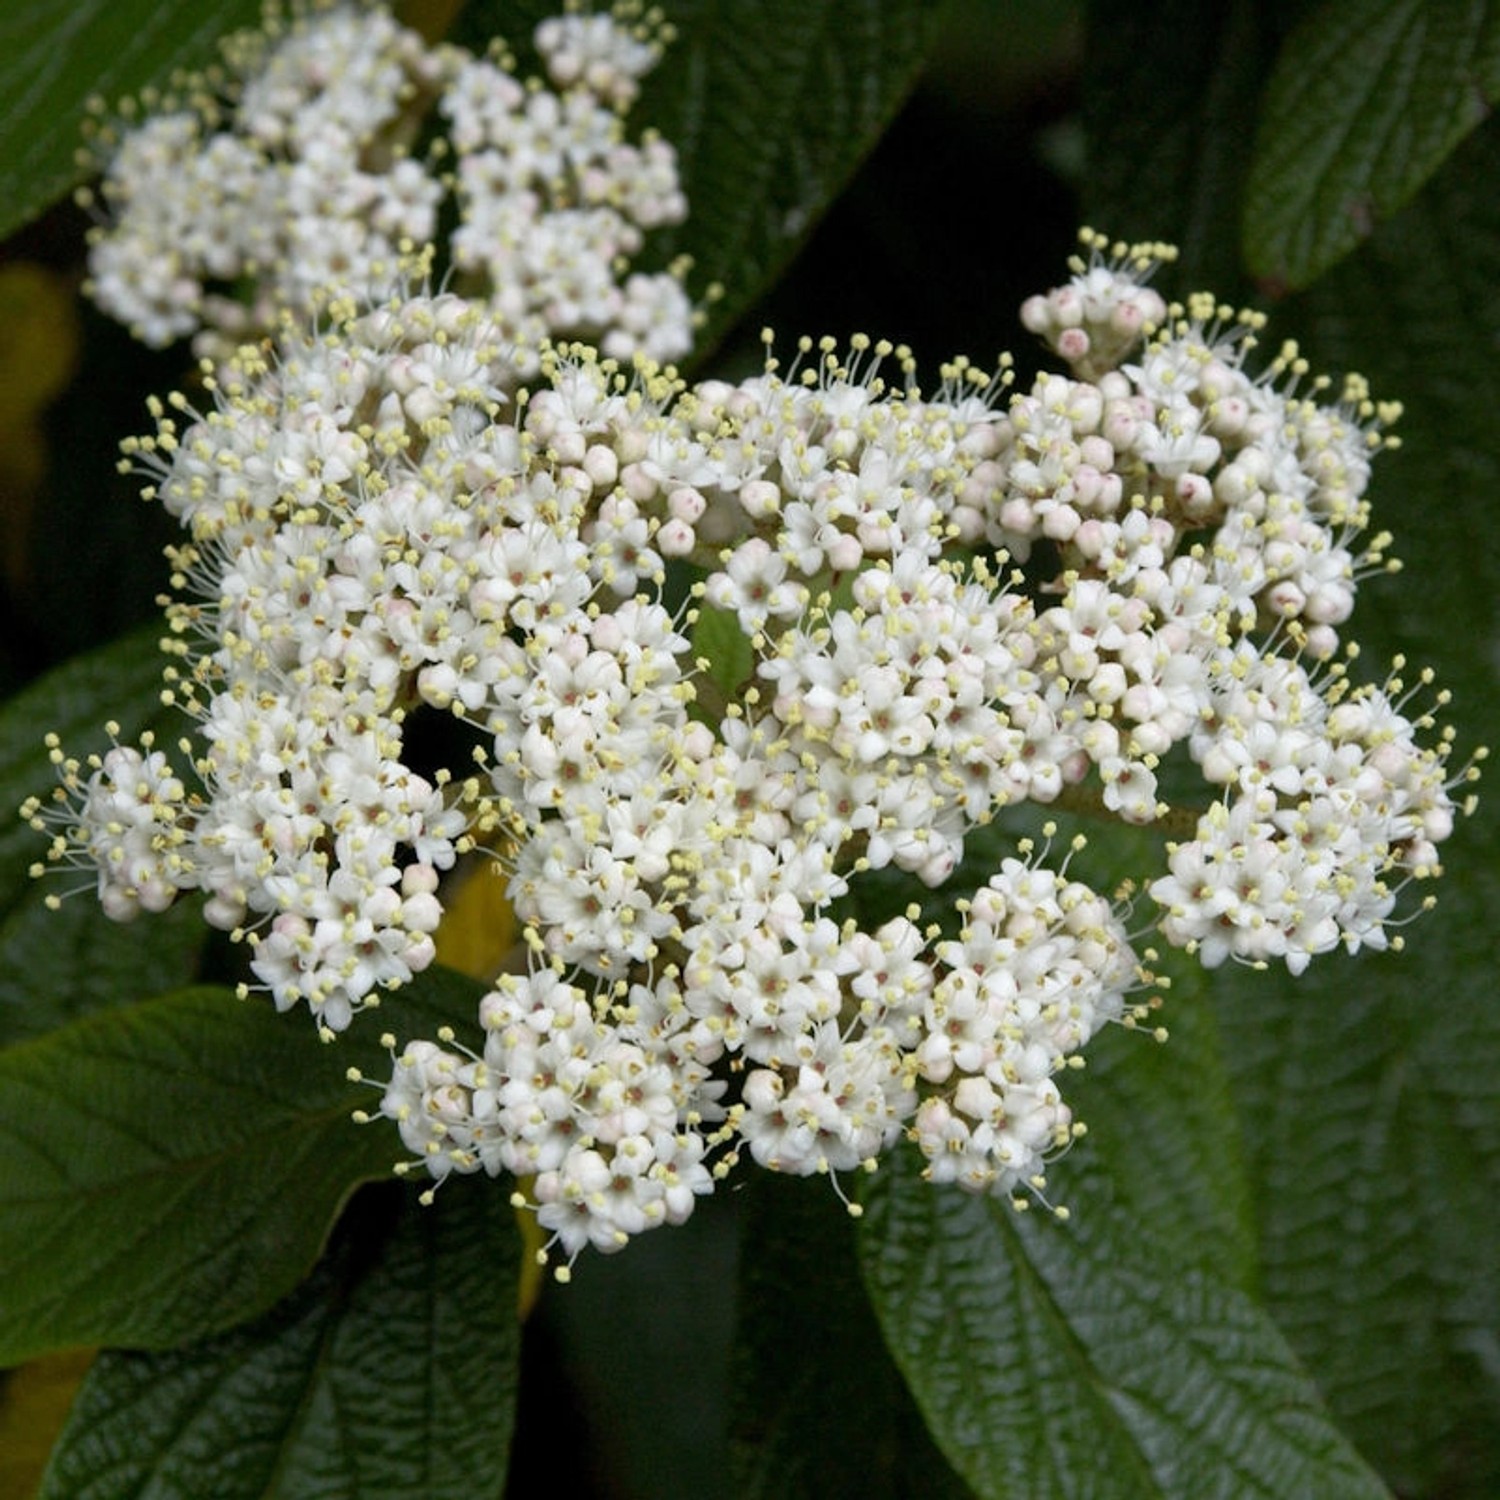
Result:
[[478, 931], [430, 17], [38, 350], [38, 338], [34, 1402]]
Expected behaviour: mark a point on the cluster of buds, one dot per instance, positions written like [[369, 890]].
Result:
[[329, 145], [696, 661]]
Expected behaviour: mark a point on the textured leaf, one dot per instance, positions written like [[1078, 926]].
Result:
[[55, 965], [821, 1410], [171, 1168], [1163, 1145], [57, 54], [1366, 1091], [1367, 100], [771, 105], [391, 1371], [1089, 1359], [1369, 1091]]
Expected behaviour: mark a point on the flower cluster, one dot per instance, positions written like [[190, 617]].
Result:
[[332, 142], [1205, 518], [698, 661]]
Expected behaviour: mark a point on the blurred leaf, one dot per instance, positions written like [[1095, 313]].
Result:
[[57, 965], [94, 568], [390, 1372], [1170, 96], [477, 937], [640, 1342], [771, 105], [38, 339], [55, 55], [169, 1169], [1089, 1359], [478, 930], [821, 1410], [34, 1402], [1367, 100], [39, 331], [718, 639], [432, 18]]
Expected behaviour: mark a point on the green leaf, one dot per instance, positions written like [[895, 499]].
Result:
[[1089, 1359], [171, 1168], [1368, 1090], [641, 1343], [1170, 95], [1163, 1145], [56, 965], [820, 1409], [718, 639], [55, 55], [392, 1371], [771, 105], [1367, 100]]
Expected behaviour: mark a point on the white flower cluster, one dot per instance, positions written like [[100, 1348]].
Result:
[[1204, 518], [307, 171], [705, 658]]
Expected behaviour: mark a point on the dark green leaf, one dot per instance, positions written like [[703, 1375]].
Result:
[[171, 1168], [1368, 1091], [390, 1372], [640, 1342], [58, 965], [1367, 100], [1163, 1146], [821, 1410], [1089, 1359], [1170, 98], [771, 105], [55, 965], [55, 55]]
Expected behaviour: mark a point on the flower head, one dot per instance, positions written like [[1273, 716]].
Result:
[[385, 551], [297, 173]]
